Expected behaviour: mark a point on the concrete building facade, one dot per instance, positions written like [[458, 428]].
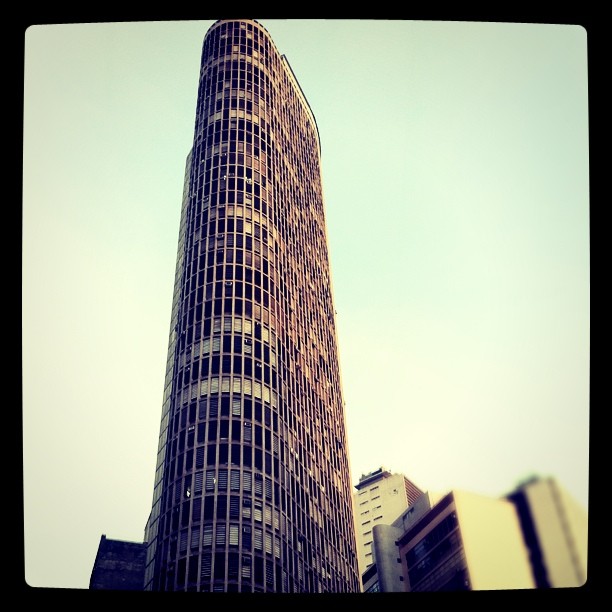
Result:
[[252, 488]]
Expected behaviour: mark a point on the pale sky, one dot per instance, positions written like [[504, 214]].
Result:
[[455, 173]]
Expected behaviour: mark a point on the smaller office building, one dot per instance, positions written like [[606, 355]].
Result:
[[534, 537], [379, 498], [465, 542], [457, 541], [385, 575]]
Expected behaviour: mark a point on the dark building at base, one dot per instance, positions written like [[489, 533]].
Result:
[[119, 566]]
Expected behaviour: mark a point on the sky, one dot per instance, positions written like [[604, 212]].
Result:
[[455, 162]]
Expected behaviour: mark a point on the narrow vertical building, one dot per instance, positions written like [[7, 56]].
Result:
[[556, 532], [252, 487]]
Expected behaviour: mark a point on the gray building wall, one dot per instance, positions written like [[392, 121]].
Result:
[[388, 568]]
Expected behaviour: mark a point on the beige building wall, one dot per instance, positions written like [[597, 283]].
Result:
[[496, 556]]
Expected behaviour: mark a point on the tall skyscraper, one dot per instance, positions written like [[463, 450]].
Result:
[[252, 487]]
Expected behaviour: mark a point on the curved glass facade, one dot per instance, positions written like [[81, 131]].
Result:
[[252, 488]]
